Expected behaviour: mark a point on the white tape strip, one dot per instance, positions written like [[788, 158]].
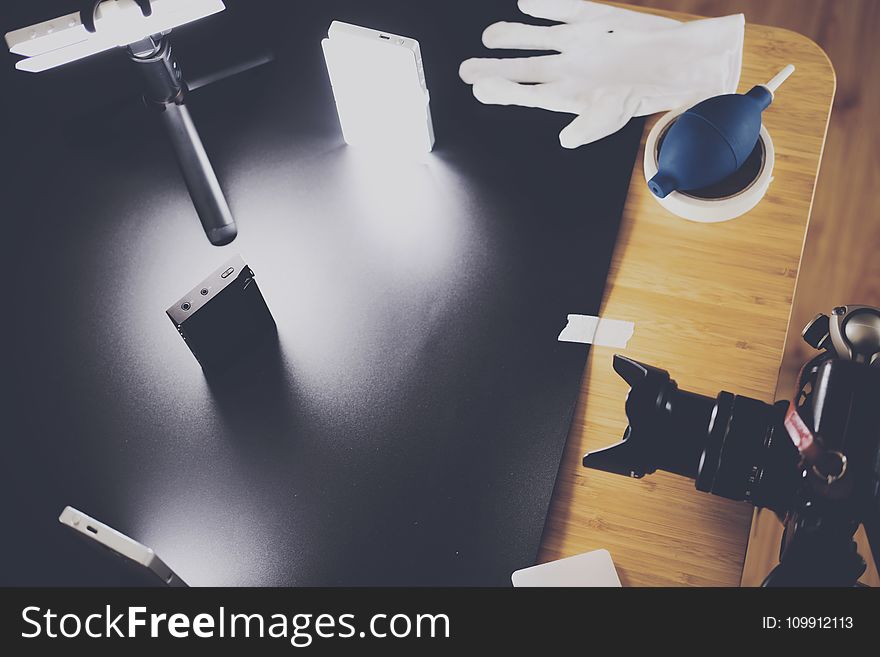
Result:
[[587, 329]]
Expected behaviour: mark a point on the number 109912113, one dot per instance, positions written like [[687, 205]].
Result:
[[808, 623]]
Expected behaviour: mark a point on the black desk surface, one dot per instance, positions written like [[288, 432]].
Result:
[[409, 427]]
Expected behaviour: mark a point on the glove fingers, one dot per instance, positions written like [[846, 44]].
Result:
[[604, 117], [498, 91], [519, 69], [524, 37], [564, 11], [582, 11], [586, 129]]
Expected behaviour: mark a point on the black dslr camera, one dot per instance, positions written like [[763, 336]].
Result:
[[814, 460]]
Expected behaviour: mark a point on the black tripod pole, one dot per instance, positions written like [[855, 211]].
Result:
[[166, 92]]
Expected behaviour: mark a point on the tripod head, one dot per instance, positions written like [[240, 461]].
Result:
[[834, 423]]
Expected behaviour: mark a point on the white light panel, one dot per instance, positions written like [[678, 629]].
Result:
[[380, 90], [118, 23]]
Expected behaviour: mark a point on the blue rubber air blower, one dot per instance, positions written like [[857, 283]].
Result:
[[713, 139]]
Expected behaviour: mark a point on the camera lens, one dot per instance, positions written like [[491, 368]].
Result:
[[204, 291], [748, 454], [732, 446], [186, 305]]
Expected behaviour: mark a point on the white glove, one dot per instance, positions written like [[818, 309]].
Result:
[[613, 64]]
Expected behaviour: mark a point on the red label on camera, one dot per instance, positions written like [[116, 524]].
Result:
[[801, 435]]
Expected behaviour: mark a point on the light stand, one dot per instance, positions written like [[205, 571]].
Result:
[[141, 27], [166, 94]]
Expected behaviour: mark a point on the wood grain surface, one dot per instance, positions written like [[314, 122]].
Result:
[[839, 263], [711, 303]]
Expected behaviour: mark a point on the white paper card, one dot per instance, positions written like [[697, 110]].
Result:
[[587, 329], [591, 569]]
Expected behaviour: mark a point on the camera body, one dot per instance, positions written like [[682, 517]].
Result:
[[814, 460]]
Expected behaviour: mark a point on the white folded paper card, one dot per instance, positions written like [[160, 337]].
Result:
[[600, 331], [583, 570]]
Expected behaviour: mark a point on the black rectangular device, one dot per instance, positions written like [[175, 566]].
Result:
[[223, 317]]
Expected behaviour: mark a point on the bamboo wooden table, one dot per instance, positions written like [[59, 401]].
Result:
[[711, 304]]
